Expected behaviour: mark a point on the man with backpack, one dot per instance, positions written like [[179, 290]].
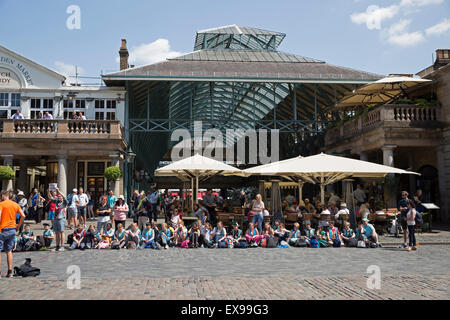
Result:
[[8, 228], [72, 208]]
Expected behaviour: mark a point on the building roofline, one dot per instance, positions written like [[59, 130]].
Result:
[[34, 64]]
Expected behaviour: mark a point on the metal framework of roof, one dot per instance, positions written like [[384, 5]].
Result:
[[235, 79]]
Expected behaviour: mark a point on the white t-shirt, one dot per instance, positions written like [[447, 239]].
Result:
[[410, 222], [83, 198]]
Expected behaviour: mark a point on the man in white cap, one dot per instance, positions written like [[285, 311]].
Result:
[[342, 211], [82, 206], [72, 208]]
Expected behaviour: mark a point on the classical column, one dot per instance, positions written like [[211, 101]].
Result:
[[22, 182], [62, 173], [275, 201], [364, 156], [33, 178], [115, 162], [388, 160], [262, 190], [388, 155], [8, 161]]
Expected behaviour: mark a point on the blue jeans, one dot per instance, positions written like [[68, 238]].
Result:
[[258, 218]]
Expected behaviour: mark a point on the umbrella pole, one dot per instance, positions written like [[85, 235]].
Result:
[[322, 190], [300, 191], [192, 194], [196, 189]]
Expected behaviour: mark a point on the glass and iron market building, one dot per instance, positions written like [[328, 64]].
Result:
[[237, 78]]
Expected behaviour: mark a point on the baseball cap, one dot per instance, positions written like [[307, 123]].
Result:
[[365, 220], [75, 190]]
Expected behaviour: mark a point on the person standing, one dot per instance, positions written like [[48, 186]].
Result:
[[403, 208], [258, 209], [154, 201], [59, 222], [120, 210], [359, 195], [112, 199], [8, 228], [411, 222], [90, 206], [210, 202], [38, 207], [82, 206], [17, 115], [142, 211], [72, 209], [103, 213]]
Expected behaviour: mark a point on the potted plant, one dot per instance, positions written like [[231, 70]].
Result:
[[113, 173], [6, 173]]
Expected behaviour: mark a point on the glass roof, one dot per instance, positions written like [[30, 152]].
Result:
[[238, 37]]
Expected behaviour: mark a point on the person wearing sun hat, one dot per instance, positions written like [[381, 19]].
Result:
[[369, 231], [239, 240]]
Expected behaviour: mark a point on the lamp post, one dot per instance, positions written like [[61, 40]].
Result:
[[129, 156]]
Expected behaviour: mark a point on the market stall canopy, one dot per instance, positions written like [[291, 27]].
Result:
[[196, 166], [381, 91], [324, 169]]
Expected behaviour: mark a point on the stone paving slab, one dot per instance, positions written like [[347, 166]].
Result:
[[282, 287]]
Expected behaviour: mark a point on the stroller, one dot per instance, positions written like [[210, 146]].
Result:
[[396, 227]]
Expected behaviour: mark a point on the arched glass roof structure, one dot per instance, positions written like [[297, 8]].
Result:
[[236, 78]]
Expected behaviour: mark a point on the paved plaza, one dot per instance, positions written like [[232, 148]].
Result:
[[256, 273]]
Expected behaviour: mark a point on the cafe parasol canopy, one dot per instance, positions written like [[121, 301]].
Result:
[[381, 91], [196, 167], [324, 169]]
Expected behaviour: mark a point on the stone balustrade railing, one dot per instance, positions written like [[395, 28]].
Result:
[[27, 128], [401, 115]]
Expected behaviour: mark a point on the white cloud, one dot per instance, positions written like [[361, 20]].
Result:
[[398, 35], [419, 3], [374, 16], [439, 28], [148, 53], [68, 70]]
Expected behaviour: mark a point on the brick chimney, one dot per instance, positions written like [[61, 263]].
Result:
[[123, 53], [442, 58]]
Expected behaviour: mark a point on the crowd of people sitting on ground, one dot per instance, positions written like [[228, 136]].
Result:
[[112, 232]]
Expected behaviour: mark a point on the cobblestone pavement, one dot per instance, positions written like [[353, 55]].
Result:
[[295, 273], [256, 273]]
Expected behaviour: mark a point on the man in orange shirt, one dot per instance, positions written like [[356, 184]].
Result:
[[8, 227]]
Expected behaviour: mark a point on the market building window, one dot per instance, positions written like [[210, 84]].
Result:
[[40, 106], [73, 105], [105, 109]]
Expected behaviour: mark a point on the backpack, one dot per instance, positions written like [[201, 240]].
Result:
[[419, 218], [26, 270], [69, 199], [271, 242], [70, 239], [115, 245], [31, 245], [314, 243], [301, 243], [336, 243], [283, 244], [362, 244], [352, 243]]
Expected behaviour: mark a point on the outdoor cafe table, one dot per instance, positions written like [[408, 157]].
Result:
[[188, 221]]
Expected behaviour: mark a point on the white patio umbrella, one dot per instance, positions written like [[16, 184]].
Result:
[[381, 91], [196, 167], [324, 169]]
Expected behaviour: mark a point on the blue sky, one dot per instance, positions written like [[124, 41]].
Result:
[[387, 36]]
